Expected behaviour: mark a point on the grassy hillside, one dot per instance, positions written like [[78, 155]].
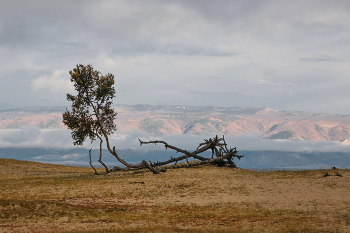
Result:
[[39, 197]]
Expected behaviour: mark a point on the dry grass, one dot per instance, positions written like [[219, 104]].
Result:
[[38, 197]]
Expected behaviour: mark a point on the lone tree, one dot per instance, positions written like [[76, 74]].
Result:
[[93, 117]]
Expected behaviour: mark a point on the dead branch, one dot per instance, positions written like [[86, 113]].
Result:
[[217, 145], [100, 159], [92, 116], [223, 156], [91, 163]]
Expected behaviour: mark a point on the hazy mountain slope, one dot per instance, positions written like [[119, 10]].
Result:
[[42, 117], [268, 123]]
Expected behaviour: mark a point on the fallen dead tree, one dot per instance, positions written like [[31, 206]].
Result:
[[221, 156], [93, 117], [217, 145]]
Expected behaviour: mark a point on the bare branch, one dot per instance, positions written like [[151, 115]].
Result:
[[93, 117], [218, 148], [91, 163], [100, 159]]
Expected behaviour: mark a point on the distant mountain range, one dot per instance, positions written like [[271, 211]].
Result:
[[196, 120], [298, 128]]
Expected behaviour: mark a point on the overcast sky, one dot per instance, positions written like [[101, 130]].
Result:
[[286, 55]]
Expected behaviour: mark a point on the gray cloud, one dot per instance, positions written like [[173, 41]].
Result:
[[319, 58], [173, 49], [283, 55]]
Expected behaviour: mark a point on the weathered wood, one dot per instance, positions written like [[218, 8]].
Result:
[[100, 159], [92, 116], [217, 145], [91, 163]]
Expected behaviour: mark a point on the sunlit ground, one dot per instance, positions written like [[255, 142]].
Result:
[[39, 197]]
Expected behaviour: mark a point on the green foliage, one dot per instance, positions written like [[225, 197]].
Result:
[[91, 115]]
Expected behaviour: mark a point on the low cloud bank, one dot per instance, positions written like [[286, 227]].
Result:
[[254, 143], [242, 142], [56, 146], [33, 137]]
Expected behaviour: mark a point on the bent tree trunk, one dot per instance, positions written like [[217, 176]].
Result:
[[218, 146], [92, 116]]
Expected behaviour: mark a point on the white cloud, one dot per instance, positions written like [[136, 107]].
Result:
[[57, 82], [32, 137], [35, 137]]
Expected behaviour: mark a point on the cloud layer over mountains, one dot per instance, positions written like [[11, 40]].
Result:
[[32, 137], [180, 126]]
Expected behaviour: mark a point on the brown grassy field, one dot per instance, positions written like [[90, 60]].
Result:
[[37, 197]]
